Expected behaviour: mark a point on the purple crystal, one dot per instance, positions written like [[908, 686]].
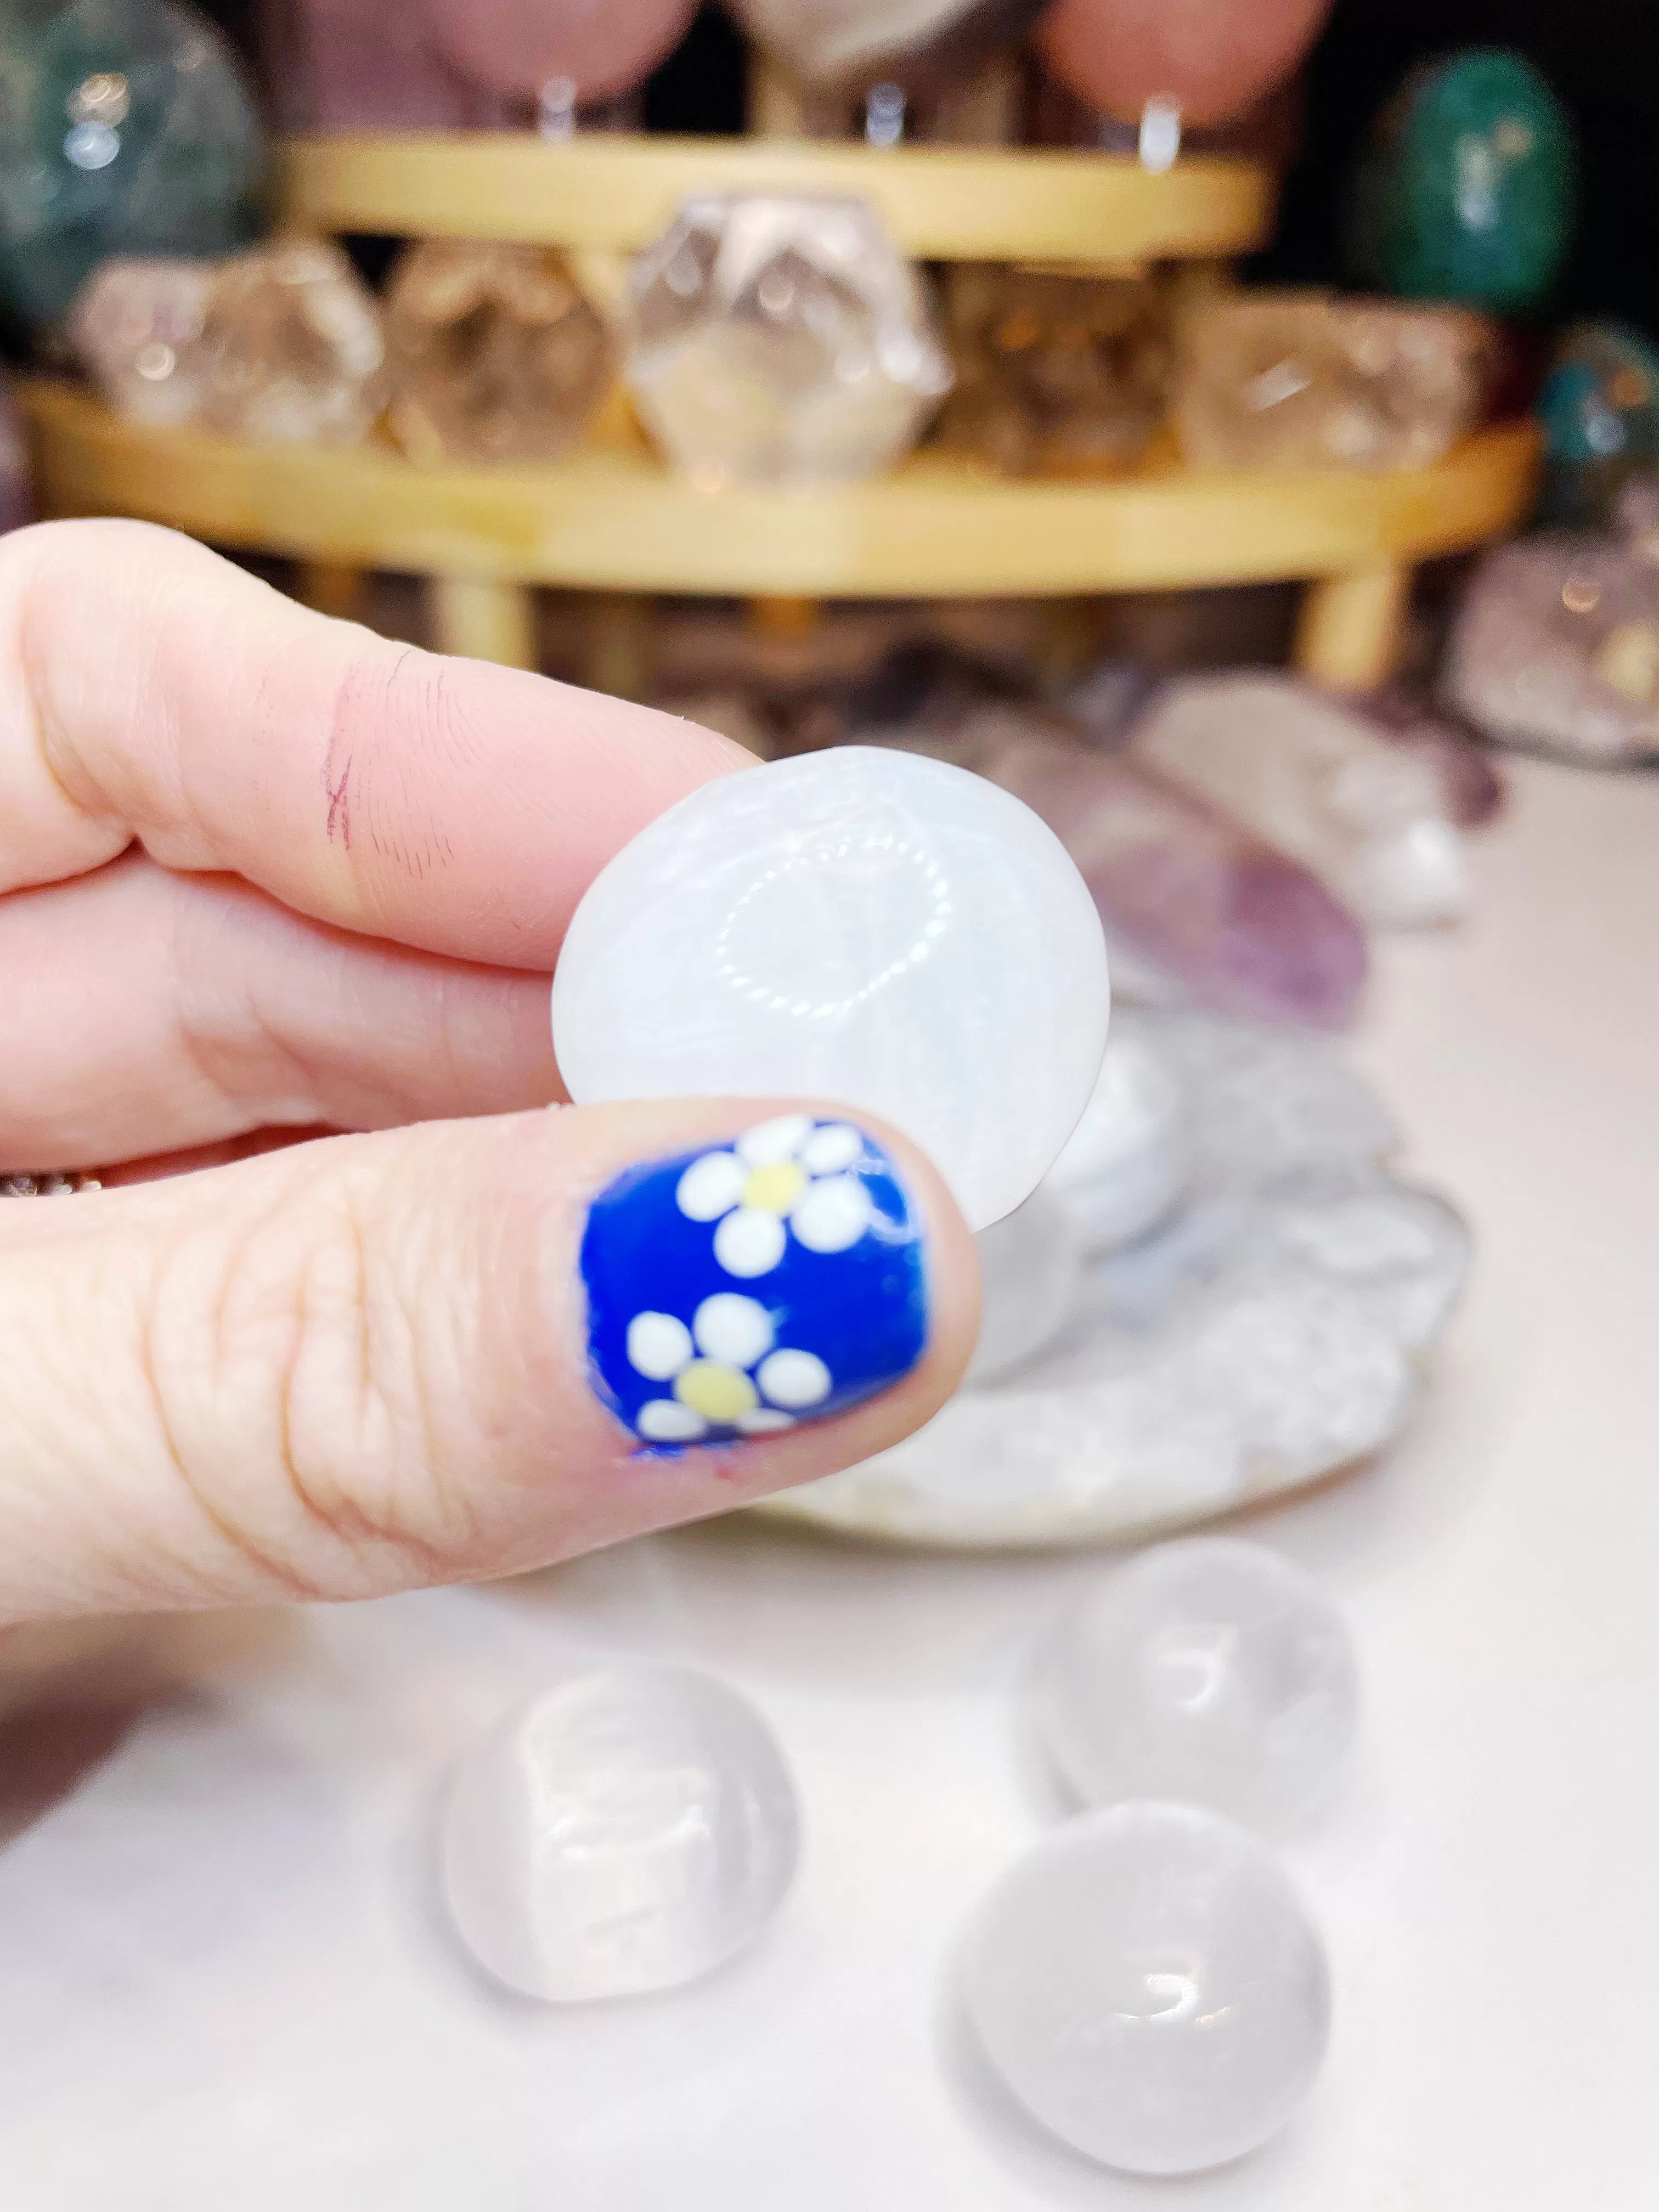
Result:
[[1245, 929], [17, 505]]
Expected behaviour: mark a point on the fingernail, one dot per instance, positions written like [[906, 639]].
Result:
[[743, 1288]]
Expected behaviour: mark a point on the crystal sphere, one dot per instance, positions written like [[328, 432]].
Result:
[[1129, 1160], [863, 926], [1149, 1985], [1209, 1670], [626, 1830], [1031, 1267], [1213, 57]]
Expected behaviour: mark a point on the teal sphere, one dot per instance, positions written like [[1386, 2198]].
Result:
[[126, 127], [1600, 408], [1468, 188]]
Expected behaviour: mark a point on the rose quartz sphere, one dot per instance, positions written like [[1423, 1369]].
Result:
[[513, 47], [1216, 57]]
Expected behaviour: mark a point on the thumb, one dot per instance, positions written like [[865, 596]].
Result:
[[458, 1351]]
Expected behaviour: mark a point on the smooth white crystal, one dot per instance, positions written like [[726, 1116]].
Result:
[[1319, 784], [1149, 1985], [1130, 1158], [1031, 1267], [1210, 1669], [859, 925], [626, 1830]]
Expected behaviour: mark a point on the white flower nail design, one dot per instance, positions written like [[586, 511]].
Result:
[[723, 1371], [785, 1177]]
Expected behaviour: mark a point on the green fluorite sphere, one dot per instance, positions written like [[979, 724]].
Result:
[[1467, 190], [125, 127]]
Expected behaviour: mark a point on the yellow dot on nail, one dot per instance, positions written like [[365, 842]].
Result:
[[718, 1393], [775, 1189]]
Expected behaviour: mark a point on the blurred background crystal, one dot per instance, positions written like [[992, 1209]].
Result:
[[1211, 1670], [1031, 1273], [359, 65], [1556, 647], [1208, 59], [1055, 373], [138, 327], [552, 57], [1301, 771], [294, 352], [1287, 380], [1600, 407], [1148, 1984], [495, 353], [855, 46], [781, 341], [1129, 1161], [126, 127], [1275, 1325], [629, 1829]]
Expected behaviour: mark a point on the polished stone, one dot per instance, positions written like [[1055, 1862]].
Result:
[[138, 327], [781, 341], [1129, 1161], [1315, 781], [126, 127], [1055, 375], [1208, 59], [495, 354], [1030, 1268], [861, 926], [1149, 1985], [1467, 188], [628, 1830], [1304, 380], [1600, 408], [1210, 1670], [294, 350], [557, 55]]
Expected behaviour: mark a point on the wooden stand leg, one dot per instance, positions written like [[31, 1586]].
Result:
[[482, 620], [1349, 636], [332, 587], [618, 657]]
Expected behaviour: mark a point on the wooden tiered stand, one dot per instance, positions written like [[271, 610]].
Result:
[[612, 520]]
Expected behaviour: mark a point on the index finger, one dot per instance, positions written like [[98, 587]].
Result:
[[151, 690]]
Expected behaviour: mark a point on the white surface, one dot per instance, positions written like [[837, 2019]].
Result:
[[220, 1981], [863, 925]]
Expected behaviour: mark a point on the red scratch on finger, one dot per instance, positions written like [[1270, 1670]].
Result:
[[340, 805]]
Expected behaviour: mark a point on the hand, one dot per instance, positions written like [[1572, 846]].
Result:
[[262, 874]]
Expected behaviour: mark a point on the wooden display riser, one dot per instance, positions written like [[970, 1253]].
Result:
[[610, 519]]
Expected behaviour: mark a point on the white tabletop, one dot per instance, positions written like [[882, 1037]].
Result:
[[222, 1982]]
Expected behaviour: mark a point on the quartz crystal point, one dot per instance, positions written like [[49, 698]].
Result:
[[1315, 781], [293, 349], [1030, 1268], [496, 355], [861, 925], [781, 341], [138, 328], [1211, 59], [915, 45], [627, 1830], [1466, 190], [1210, 1670], [1556, 647], [1055, 373], [1303, 380], [1246, 928], [125, 127], [1149, 1985]]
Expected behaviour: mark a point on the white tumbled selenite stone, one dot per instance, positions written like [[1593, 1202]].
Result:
[[627, 1830], [861, 925], [1210, 1669], [1130, 1158], [1148, 1984], [1031, 1270]]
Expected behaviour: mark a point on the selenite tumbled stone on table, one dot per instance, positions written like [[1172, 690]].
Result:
[[1129, 1160], [1304, 381], [495, 354], [858, 926], [1211, 1670], [781, 341], [627, 1830], [126, 127], [1466, 190], [1149, 1985], [1296, 768], [1031, 1267]]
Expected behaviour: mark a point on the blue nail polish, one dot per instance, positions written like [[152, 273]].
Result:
[[736, 1291]]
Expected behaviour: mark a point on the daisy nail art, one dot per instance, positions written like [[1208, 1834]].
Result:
[[739, 1290]]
